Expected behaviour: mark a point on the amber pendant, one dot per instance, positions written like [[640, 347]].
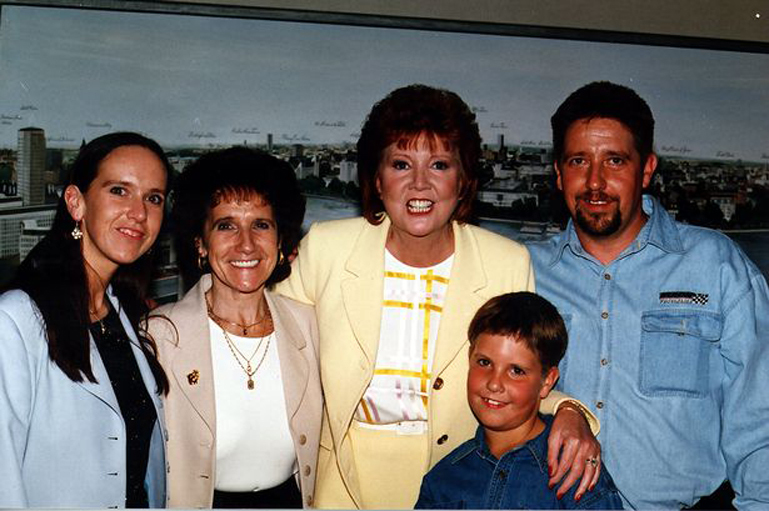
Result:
[[250, 383]]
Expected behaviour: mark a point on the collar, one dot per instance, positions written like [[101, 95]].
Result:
[[536, 448], [660, 230]]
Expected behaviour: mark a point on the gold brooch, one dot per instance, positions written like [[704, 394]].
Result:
[[193, 377]]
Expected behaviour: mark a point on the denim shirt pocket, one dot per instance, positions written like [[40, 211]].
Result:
[[676, 346]]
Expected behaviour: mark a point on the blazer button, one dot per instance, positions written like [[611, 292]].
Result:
[[309, 500], [442, 440], [438, 385], [302, 439], [307, 470]]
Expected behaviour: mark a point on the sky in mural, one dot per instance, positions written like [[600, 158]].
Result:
[[187, 79]]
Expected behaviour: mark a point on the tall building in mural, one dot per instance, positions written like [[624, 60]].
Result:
[[30, 168]]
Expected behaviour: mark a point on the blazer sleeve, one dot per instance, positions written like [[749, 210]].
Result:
[[16, 396]]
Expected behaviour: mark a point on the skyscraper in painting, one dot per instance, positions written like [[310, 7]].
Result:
[[30, 168]]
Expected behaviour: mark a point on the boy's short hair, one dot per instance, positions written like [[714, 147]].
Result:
[[529, 318]]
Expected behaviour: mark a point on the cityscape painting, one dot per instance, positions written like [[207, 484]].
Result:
[[301, 90]]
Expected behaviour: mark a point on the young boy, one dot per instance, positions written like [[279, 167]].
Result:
[[516, 343]]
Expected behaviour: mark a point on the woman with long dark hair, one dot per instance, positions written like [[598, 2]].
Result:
[[81, 422]]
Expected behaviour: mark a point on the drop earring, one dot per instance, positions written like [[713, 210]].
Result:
[[77, 234]]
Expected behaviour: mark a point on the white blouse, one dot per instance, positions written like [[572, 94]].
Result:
[[254, 448], [411, 313]]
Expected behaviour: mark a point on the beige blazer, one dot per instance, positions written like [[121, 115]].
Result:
[[182, 335], [340, 270]]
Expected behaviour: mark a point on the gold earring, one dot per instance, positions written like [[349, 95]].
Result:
[[76, 233], [202, 262]]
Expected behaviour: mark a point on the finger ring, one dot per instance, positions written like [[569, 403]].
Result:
[[592, 461]]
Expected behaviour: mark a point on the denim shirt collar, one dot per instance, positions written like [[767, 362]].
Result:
[[536, 448], [660, 230]]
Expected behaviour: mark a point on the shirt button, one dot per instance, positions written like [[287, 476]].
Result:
[[442, 439], [438, 385], [501, 474], [599, 405], [302, 439], [605, 315], [604, 362], [307, 470], [607, 276]]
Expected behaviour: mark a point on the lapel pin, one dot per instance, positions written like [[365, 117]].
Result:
[[193, 377]]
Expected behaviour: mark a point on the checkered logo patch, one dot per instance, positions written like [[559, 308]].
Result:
[[683, 297]]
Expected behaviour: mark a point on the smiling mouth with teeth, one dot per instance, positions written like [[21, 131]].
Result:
[[492, 403], [600, 200], [131, 233], [419, 205], [245, 264]]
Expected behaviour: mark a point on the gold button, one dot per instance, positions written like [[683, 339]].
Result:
[[309, 500], [442, 439], [599, 405], [307, 470], [605, 315], [302, 439], [438, 385]]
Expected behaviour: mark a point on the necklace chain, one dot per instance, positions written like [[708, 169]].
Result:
[[250, 372], [245, 328], [247, 368]]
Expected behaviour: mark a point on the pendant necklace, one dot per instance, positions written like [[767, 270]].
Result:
[[247, 367]]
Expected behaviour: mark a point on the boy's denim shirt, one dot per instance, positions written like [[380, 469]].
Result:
[[470, 477]]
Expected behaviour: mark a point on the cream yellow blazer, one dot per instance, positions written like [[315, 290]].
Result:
[[340, 270], [181, 333]]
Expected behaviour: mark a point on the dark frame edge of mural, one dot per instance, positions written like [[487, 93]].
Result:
[[335, 18]]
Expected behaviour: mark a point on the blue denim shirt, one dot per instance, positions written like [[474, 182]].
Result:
[[669, 344], [470, 477]]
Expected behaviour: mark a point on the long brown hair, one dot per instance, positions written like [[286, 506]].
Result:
[[54, 274]]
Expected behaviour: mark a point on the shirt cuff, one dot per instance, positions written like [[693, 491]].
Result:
[[549, 406]]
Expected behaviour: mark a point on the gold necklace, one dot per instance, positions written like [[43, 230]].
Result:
[[245, 328], [250, 372]]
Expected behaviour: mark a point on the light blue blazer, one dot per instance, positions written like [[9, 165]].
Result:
[[63, 444]]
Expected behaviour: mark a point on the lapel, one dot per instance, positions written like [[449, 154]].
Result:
[[141, 360], [464, 297], [193, 352], [103, 388], [363, 287], [294, 370]]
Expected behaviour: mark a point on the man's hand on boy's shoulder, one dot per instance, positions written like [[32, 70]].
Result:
[[572, 449]]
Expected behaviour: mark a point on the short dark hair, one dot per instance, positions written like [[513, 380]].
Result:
[[405, 114], [605, 100], [529, 318], [238, 172]]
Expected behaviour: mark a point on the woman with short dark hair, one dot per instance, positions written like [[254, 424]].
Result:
[[80, 411], [245, 404]]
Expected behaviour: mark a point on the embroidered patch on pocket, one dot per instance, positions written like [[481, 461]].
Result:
[[683, 297]]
